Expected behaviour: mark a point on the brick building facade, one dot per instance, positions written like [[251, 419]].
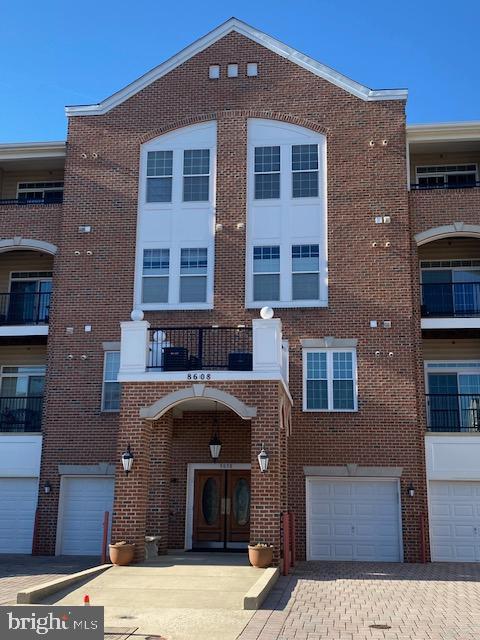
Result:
[[347, 472]]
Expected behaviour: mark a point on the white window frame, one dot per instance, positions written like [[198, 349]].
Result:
[[444, 174], [42, 189], [268, 173], [330, 352], [317, 171], [266, 273], [105, 355], [193, 275], [317, 272], [33, 371], [197, 175], [166, 276]]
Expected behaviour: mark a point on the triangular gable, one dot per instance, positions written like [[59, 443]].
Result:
[[233, 24]]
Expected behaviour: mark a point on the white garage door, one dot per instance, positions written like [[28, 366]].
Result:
[[353, 520], [455, 521], [84, 501], [18, 501]]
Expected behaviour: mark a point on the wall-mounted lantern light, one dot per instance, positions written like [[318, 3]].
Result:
[[215, 443], [263, 459], [47, 487], [411, 490], [127, 460]]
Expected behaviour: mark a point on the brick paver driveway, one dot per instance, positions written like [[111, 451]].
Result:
[[19, 572], [340, 601]]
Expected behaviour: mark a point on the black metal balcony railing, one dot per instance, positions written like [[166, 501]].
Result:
[[24, 308], [451, 300], [21, 414], [196, 348], [445, 185], [453, 412], [51, 199]]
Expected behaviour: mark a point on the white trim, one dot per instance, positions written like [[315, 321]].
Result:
[[18, 242], [443, 131], [61, 505], [189, 504], [450, 323], [456, 229], [330, 351], [238, 26], [24, 330], [32, 150], [308, 479]]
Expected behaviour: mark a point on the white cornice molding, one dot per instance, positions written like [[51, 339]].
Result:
[[443, 131], [27, 150], [233, 24]]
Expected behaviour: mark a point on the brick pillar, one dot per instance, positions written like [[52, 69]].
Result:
[[131, 492], [267, 488], [158, 513]]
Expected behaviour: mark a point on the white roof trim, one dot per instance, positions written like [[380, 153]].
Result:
[[21, 150], [318, 69], [444, 131]]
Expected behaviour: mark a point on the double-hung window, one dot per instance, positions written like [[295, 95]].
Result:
[[304, 170], [266, 273], [267, 173], [159, 176], [111, 387], [193, 275], [329, 380], [155, 275], [196, 175], [305, 272]]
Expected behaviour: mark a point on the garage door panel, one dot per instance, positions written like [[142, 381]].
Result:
[[84, 502], [353, 520], [455, 521], [18, 500]]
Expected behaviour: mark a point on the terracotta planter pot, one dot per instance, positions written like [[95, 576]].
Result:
[[121, 554], [260, 557]]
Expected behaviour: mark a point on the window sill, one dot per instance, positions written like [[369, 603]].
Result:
[[175, 307], [329, 410], [292, 304]]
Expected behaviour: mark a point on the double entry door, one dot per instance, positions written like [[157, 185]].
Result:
[[221, 509]]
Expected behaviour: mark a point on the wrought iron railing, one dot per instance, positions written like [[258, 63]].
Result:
[[451, 300], [21, 414], [453, 412], [201, 348], [445, 185], [24, 308], [56, 199]]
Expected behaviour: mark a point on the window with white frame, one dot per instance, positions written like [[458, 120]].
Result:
[[266, 273], [267, 173], [159, 176], [49, 192], [156, 265], [304, 170], [444, 176], [193, 275], [329, 380], [305, 272], [196, 175], [111, 387]]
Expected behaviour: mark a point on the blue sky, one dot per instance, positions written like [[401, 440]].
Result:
[[55, 53]]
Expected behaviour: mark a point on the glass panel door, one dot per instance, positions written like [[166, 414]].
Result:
[[469, 401], [21, 309], [466, 291], [437, 293], [443, 400]]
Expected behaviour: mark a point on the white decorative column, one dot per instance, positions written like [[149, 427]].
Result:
[[267, 343], [134, 345]]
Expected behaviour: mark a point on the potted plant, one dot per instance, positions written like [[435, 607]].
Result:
[[121, 553], [260, 555]]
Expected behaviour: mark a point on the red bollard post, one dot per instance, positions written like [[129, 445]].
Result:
[[106, 519]]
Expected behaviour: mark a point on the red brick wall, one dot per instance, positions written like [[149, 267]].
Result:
[[364, 282]]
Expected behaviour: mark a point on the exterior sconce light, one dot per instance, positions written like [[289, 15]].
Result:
[[411, 490], [215, 443], [127, 460], [263, 459], [47, 487]]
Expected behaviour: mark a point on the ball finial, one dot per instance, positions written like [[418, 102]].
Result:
[[266, 313], [137, 314]]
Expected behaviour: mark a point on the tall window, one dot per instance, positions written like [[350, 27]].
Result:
[[159, 176], [304, 170], [267, 173], [156, 263], [111, 387], [196, 175], [193, 275], [329, 380], [447, 176], [305, 272], [266, 273]]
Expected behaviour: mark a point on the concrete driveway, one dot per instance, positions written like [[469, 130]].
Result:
[[19, 572], [341, 601]]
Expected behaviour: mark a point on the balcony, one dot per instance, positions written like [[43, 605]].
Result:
[[443, 186], [451, 300], [200, 348], [25, 202], [22, 414], [203, 353], [449, 413], [23, 309]]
